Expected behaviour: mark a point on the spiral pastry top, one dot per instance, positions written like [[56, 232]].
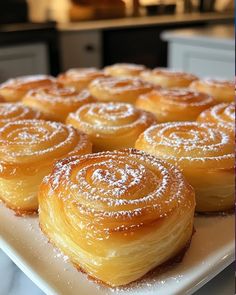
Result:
[[168, 78], [221, 90], [11, 112], [124, 70], [116, 212], [111, 189], [35, 142], [111, 125], [80, 78], [56, 101], [177, 104], [14, 89], [223, 113], [116, 89], [182, 143], [28, 149]]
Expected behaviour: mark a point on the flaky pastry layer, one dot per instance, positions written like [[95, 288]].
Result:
[[205, 154], [15, 89], [124, 70], [80, 78], [117, 215], [111, 126], [177, 104], [221, 90], [28, 149], [117, 89], [11, 112], [167, 78], [56, 101], [223, 113]]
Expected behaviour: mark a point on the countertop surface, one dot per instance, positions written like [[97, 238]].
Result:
[[130, 22], [22, 27], [14, 281], [214, 34]]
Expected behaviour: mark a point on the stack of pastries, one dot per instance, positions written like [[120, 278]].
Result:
[[116, 161]]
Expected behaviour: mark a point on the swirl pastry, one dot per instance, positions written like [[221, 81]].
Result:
[[117, 215], [223, 113], [111, 125], [28, 149], [179, 104], [11, 112], [118, 89], [203, 152], [80, 78], [124, 70], [221, 90], [168, 78], [14, 89], [56, 102]]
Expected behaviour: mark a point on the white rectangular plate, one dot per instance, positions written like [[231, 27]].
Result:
[[211, 250]]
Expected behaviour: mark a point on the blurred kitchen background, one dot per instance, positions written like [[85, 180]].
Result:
[[50, 36]]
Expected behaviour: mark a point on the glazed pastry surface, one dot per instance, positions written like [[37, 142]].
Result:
[[56, 102], [124, 70], [116, 89], [11, 112], [223, 113], [117, 215], [14, 89], [205, 154], [28, 149], [167, 78], [221, 90], [80, 78], [111, 125], [178, 104]]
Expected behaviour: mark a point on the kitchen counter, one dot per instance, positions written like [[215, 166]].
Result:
[[214, 35], [130, 22], [205, 52]]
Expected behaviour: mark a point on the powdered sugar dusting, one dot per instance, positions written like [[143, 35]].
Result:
[[181, 142], [15, 111], [29, 141], [222, 113], [126, 185], [111, 117]]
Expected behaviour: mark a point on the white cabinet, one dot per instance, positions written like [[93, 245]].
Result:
[[18, 60], [205, 52], [81, 49]]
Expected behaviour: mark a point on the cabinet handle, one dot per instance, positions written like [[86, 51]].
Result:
[[89, 48]]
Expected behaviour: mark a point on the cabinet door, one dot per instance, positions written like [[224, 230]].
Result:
[[81, 49], [19, 60], [202, 60]]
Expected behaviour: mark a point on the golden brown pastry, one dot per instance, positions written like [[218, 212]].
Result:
[[167, 78], [80, 78], [111, 125], [56, 101], [203, 152], [117, 215], [28, 149], [14, 89], [177, 104], [221, 90], [124, 70], [11, 112], [118, 89], [223, 113]]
